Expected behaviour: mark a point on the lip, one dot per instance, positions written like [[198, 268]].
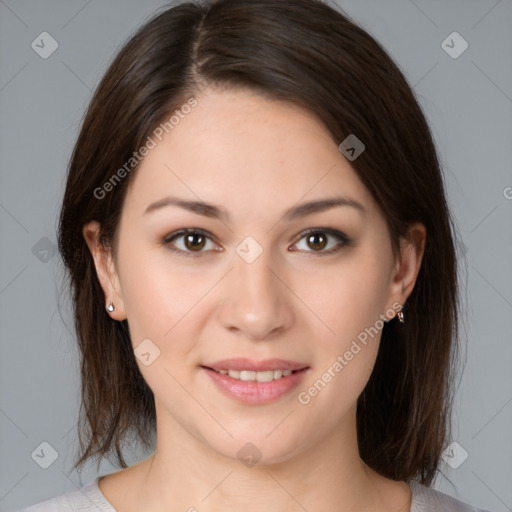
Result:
[[254, 392], [243, 363]]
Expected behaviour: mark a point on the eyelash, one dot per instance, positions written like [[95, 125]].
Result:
[[344, 239]]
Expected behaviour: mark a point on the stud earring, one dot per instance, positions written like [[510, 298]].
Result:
[[110, 307], [400, 315]]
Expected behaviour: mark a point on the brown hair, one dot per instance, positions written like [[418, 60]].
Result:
[[307, 53]]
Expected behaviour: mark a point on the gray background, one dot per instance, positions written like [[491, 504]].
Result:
[[468, 101]]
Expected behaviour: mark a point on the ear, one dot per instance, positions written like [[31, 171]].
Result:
[[105, 270], [408, 264]]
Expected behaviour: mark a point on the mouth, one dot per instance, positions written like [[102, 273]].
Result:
[[261, 376], [255, 382]]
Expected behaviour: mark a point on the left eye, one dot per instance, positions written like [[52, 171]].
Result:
[[195, 240], [318, 238]]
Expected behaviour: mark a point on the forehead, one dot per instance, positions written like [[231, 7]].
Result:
[[239, 148]]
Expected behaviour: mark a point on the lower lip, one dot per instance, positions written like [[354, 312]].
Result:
[[254, 392]]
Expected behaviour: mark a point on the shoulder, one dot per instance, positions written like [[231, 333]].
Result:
[[87, 498], [426, 499]]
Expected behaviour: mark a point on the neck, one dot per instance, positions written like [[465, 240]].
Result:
[[185, 473]]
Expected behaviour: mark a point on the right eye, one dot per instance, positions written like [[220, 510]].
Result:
[[192, 241]]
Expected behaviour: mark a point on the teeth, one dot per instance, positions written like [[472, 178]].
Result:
[[247, 375], [265, 376]]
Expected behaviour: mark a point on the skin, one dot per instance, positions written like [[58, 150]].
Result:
[[256, 158]]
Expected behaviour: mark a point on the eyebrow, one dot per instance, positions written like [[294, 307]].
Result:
[[216, 212]]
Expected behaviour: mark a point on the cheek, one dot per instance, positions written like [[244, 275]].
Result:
[[159, 300], [353, 298], [344, 361], [163, 313], [347, 298]]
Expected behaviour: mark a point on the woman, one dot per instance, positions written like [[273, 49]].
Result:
[[263, 269]]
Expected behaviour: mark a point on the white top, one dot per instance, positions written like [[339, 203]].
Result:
[[90, 499]]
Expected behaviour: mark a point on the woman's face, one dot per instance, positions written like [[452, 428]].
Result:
[[250, 282]]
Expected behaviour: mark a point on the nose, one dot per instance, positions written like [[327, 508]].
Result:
[[256, 302]]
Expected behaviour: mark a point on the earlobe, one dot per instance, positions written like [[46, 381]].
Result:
[[105, 270]]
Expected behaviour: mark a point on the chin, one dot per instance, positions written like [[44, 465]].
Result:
[[257, 450]]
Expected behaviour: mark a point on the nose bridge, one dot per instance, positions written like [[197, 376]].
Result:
[[255, 301], [255, 276]]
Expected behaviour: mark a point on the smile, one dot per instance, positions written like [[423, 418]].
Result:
[[256, 382], [263, 376]]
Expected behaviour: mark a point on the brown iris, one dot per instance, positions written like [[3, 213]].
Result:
[[313, 239], [191, 241]]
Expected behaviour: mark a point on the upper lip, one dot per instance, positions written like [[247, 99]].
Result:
[[242, 363]]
